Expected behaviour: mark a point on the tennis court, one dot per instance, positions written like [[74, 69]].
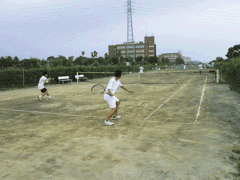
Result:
[[176, 125]]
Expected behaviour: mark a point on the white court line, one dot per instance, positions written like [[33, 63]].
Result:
[[38, 112], [167, 100], [199, 107]]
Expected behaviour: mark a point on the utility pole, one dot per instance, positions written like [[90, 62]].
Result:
[[130, 41]]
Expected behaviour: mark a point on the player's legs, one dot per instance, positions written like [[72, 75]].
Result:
[[117, 106], [112, 102], [111, 113], [48, 94], [44, 91]]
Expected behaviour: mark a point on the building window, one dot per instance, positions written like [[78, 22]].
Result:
[[151, 50], [130, 51], [139, 46], [140, 50], [120, 47], [151, 46]]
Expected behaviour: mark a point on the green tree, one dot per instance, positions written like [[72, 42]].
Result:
[[25, 63], [100, 60], [88, 61], [114, 60], [34, 63], [9, 61], [219, 59], [118, 55], [51, 60], [94, 54], [146, 60], [60, 61], [165, 60], [179, 60], [44, 63], [95, 63], [15, 62], [139, 59], [78, 61], [107, 58], [3, 63], [69, 62], [233, 52], [153, 60], [83, 52]]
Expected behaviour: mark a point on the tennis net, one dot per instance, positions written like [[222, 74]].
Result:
[[178, 77], [156, 77]]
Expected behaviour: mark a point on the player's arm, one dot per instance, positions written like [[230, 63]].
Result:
[[110, 92], [109, 86], [126, 89]]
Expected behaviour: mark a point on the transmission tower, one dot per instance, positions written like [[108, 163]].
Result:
[[130, 41]]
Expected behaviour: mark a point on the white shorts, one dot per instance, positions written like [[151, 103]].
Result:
[[141, 71], [111, 100]]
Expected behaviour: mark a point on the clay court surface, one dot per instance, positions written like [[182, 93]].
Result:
[[163, 133]]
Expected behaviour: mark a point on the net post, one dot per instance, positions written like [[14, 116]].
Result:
[[77, 77], [138, 78]]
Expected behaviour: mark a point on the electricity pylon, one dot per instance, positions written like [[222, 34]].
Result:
[[130, 41]]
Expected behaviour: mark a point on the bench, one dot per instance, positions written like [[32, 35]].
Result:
[[79, 77], [64, 78]]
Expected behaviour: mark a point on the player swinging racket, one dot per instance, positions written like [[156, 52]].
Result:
[[43, 90], [112, 100]]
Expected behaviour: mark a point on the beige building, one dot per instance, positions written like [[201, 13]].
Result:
[[144, 49], [186, 59], [173, 56]]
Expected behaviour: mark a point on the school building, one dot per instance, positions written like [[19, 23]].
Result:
[[144, 49]]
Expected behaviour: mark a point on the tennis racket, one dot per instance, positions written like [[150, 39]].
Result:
[[49, 79], [99, 89]]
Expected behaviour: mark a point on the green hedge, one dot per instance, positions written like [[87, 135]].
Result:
[[230, 72], [13, 77]]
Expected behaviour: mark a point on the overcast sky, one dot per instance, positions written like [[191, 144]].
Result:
[[201, 29]]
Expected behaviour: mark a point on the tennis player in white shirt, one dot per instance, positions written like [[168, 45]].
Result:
[[141, 70], [112, 100], [200, 67], [43, 90]]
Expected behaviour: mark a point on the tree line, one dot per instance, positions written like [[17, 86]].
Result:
[[94, 60]]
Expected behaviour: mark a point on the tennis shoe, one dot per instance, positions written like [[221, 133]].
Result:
[[49, 97], [114, 118], [108, 123], [117, 116], [40, 98]]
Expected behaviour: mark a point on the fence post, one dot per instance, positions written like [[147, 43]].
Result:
[[23, 76]]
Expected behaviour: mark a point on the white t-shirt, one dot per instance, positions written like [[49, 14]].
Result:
[[42, 80], [200, 66], [141, 69], [113, 85]]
